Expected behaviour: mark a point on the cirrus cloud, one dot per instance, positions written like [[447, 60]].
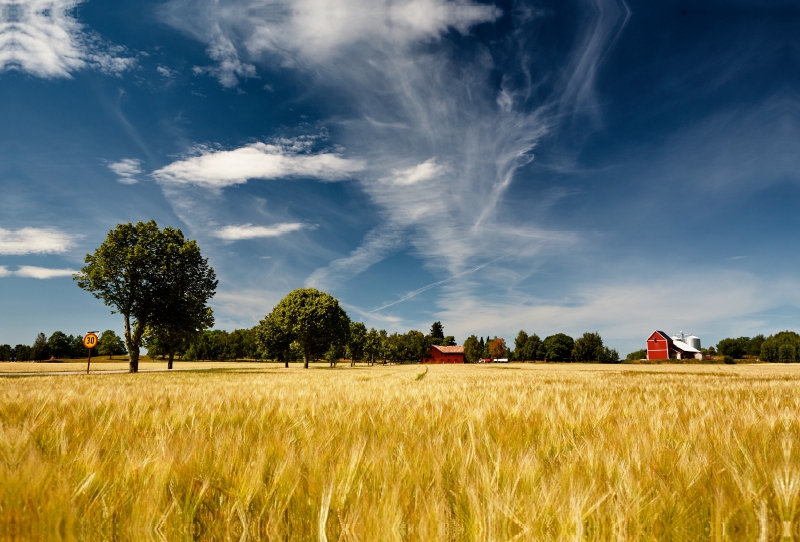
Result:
[[43, 38]]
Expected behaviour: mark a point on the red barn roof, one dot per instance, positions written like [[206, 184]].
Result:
[[449, 349]]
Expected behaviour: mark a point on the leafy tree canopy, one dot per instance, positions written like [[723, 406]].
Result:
[[588, 347], [473, 349], [110, 344], [558, 347], [313, 319], [782, 347], [153, 278]]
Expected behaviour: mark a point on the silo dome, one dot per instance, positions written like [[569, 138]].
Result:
[[693, 341]]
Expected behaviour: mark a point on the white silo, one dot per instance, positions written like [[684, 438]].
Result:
[[693, 341]]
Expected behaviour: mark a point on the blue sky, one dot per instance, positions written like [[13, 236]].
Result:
[[555, 166]]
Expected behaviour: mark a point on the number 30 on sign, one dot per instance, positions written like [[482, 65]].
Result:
[[90, 340]]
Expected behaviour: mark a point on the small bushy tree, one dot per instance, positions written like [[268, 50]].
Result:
[[588, 347], [639, 354], [472, 349], [356, 342], [59, 344], [497, 348], [40, 351], [110, 344]]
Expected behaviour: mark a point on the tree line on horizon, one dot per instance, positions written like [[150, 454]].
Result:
[[62, 346], [160, 284]]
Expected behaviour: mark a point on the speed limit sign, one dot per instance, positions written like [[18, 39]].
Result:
[[90, 340]]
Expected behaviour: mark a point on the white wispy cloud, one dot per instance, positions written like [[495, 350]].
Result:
[[4, 272], [426, 171], [34, 241], [377, 244], [220, 168], [42, 273], [441, 141], [127, 169], [249, 231], [312, 30], [43, 38]]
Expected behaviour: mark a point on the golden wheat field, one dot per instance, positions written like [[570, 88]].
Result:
[[518, 452]]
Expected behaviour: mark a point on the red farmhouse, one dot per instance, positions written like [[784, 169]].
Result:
[[446, 354], [662, 346]]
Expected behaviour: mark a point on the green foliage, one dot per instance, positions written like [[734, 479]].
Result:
[[59, 345], [314, 319], [40, 351], [5, 352], [273, 342], [639, 354], [588, 347], [735, 348], [558, 347], [753, 347], [607, 355], [519, 346], [372, 345], [356, 341], [22, 352], [437, 330], [727, 359], [111, 344], [533, 349], [781, 347], [78, 350], [155, 278], [472, 349]]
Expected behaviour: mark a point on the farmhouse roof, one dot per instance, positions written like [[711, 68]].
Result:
[[449, 349], [685, 347], [663, 334]]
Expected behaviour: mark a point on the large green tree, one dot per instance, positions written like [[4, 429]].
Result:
[[313, 319], [154, 278], [558, 347]]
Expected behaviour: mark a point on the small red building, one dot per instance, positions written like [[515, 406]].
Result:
[[445, 354], [662, 346]]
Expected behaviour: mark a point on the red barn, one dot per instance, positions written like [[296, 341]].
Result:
[[662, 346], [446, 354]]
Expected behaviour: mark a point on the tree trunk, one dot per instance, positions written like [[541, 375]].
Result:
[[305, 360], [133, 366], [171, 355]]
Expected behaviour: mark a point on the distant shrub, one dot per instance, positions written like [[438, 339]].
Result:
[[639, 354], [728, 360]]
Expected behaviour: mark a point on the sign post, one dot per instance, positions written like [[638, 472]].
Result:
[[90, 341]]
